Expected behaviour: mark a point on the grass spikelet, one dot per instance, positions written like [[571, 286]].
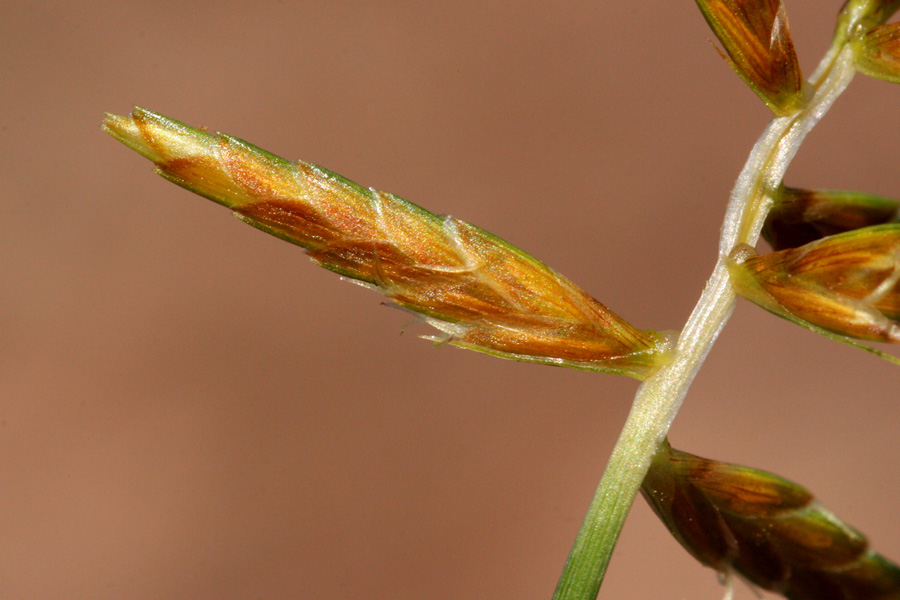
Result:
[[770, 530], [878, 53], [799, 216], [759, 48], [482, 292], [848, 284]]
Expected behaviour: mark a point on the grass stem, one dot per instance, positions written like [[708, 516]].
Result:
[[659, 397]]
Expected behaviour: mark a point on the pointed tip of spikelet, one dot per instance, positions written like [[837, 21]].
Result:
[[758, 46]]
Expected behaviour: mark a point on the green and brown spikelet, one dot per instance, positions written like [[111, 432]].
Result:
[[878, 52], [759, 48], [848, 283], [480, 291], [768, 529], [800, 216]]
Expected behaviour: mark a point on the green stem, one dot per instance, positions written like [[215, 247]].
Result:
[[659, 397]]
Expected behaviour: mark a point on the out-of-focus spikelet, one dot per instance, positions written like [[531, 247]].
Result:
[[482, 292], [766, 528], [858, 16], [878, 52], [802, 216], [759, 48]]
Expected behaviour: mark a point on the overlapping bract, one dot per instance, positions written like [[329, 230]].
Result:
[[845, 283], [878, 53], [482, 292], [759, 48], [766, 528]]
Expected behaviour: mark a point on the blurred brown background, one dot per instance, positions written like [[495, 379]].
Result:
[[190, 410]]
